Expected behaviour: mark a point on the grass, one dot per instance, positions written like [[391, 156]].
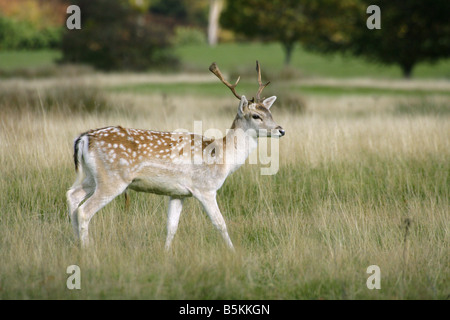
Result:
[[65, 98], [10, 60], [352, 169], [237, 57], [214, 89]]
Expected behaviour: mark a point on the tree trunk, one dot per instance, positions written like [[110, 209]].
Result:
[[288, 49], [407, 69], [215, 8]]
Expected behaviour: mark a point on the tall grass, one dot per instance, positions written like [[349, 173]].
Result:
[[63, 99], [338, 204]]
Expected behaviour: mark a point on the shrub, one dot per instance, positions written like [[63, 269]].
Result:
[[114, 36], [189, 36], [16, 34]]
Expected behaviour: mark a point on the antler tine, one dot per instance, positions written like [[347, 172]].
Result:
[[261, 85], [215, 69]]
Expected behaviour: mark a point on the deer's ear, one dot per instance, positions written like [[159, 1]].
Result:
[[242, 105], [269, 102]]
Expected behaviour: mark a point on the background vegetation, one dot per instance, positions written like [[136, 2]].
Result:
[[30, 24], [411, 31], [141, 35]]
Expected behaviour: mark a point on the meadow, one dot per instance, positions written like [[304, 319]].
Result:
[[363, 180]]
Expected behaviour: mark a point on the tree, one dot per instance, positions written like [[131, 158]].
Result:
[[411, 31], [289, 21], [118, 35], [185, 12], [215, 7], [30, 24]]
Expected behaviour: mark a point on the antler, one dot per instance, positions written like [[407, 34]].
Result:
[[215, 69], [261, 86]]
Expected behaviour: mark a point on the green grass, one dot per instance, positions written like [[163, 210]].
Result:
[[271, 56], [10, 60], [308, 233], [241, 57]]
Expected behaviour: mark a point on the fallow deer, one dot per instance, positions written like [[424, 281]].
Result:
[[111, 160]]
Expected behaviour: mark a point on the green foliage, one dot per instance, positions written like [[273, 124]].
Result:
[[288, 21], [114, 36], [189, 36], [411, 32], [16, 34], [184, 12]]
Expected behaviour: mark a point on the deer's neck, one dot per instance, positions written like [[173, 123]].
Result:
[[239, 142]]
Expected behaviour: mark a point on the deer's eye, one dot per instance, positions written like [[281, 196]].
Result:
[[255, 116]]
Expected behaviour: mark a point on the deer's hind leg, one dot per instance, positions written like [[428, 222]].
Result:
[[77, 194], [104, 193]]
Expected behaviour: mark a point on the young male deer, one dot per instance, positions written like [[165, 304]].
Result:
[[111, 160]]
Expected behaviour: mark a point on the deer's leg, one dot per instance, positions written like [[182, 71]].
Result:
[[75, 195], [173, 217], [209, 203], [103, 194]]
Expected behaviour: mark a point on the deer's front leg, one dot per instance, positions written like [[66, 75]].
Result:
[[209, 203], [173, 216]]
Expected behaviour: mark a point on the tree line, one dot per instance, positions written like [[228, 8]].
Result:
[[136, 34]]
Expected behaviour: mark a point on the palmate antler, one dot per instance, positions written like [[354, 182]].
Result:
[[215, 69]]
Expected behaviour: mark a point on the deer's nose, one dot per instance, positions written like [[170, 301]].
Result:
[[281, 130]]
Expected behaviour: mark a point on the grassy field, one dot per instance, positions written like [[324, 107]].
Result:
[[363, 180], [13, 60], [240, 58]]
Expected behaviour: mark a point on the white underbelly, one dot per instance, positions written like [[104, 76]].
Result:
[[160, 185], [175, 179]]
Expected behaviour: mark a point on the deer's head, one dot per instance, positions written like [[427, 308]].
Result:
[[253, 114]]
